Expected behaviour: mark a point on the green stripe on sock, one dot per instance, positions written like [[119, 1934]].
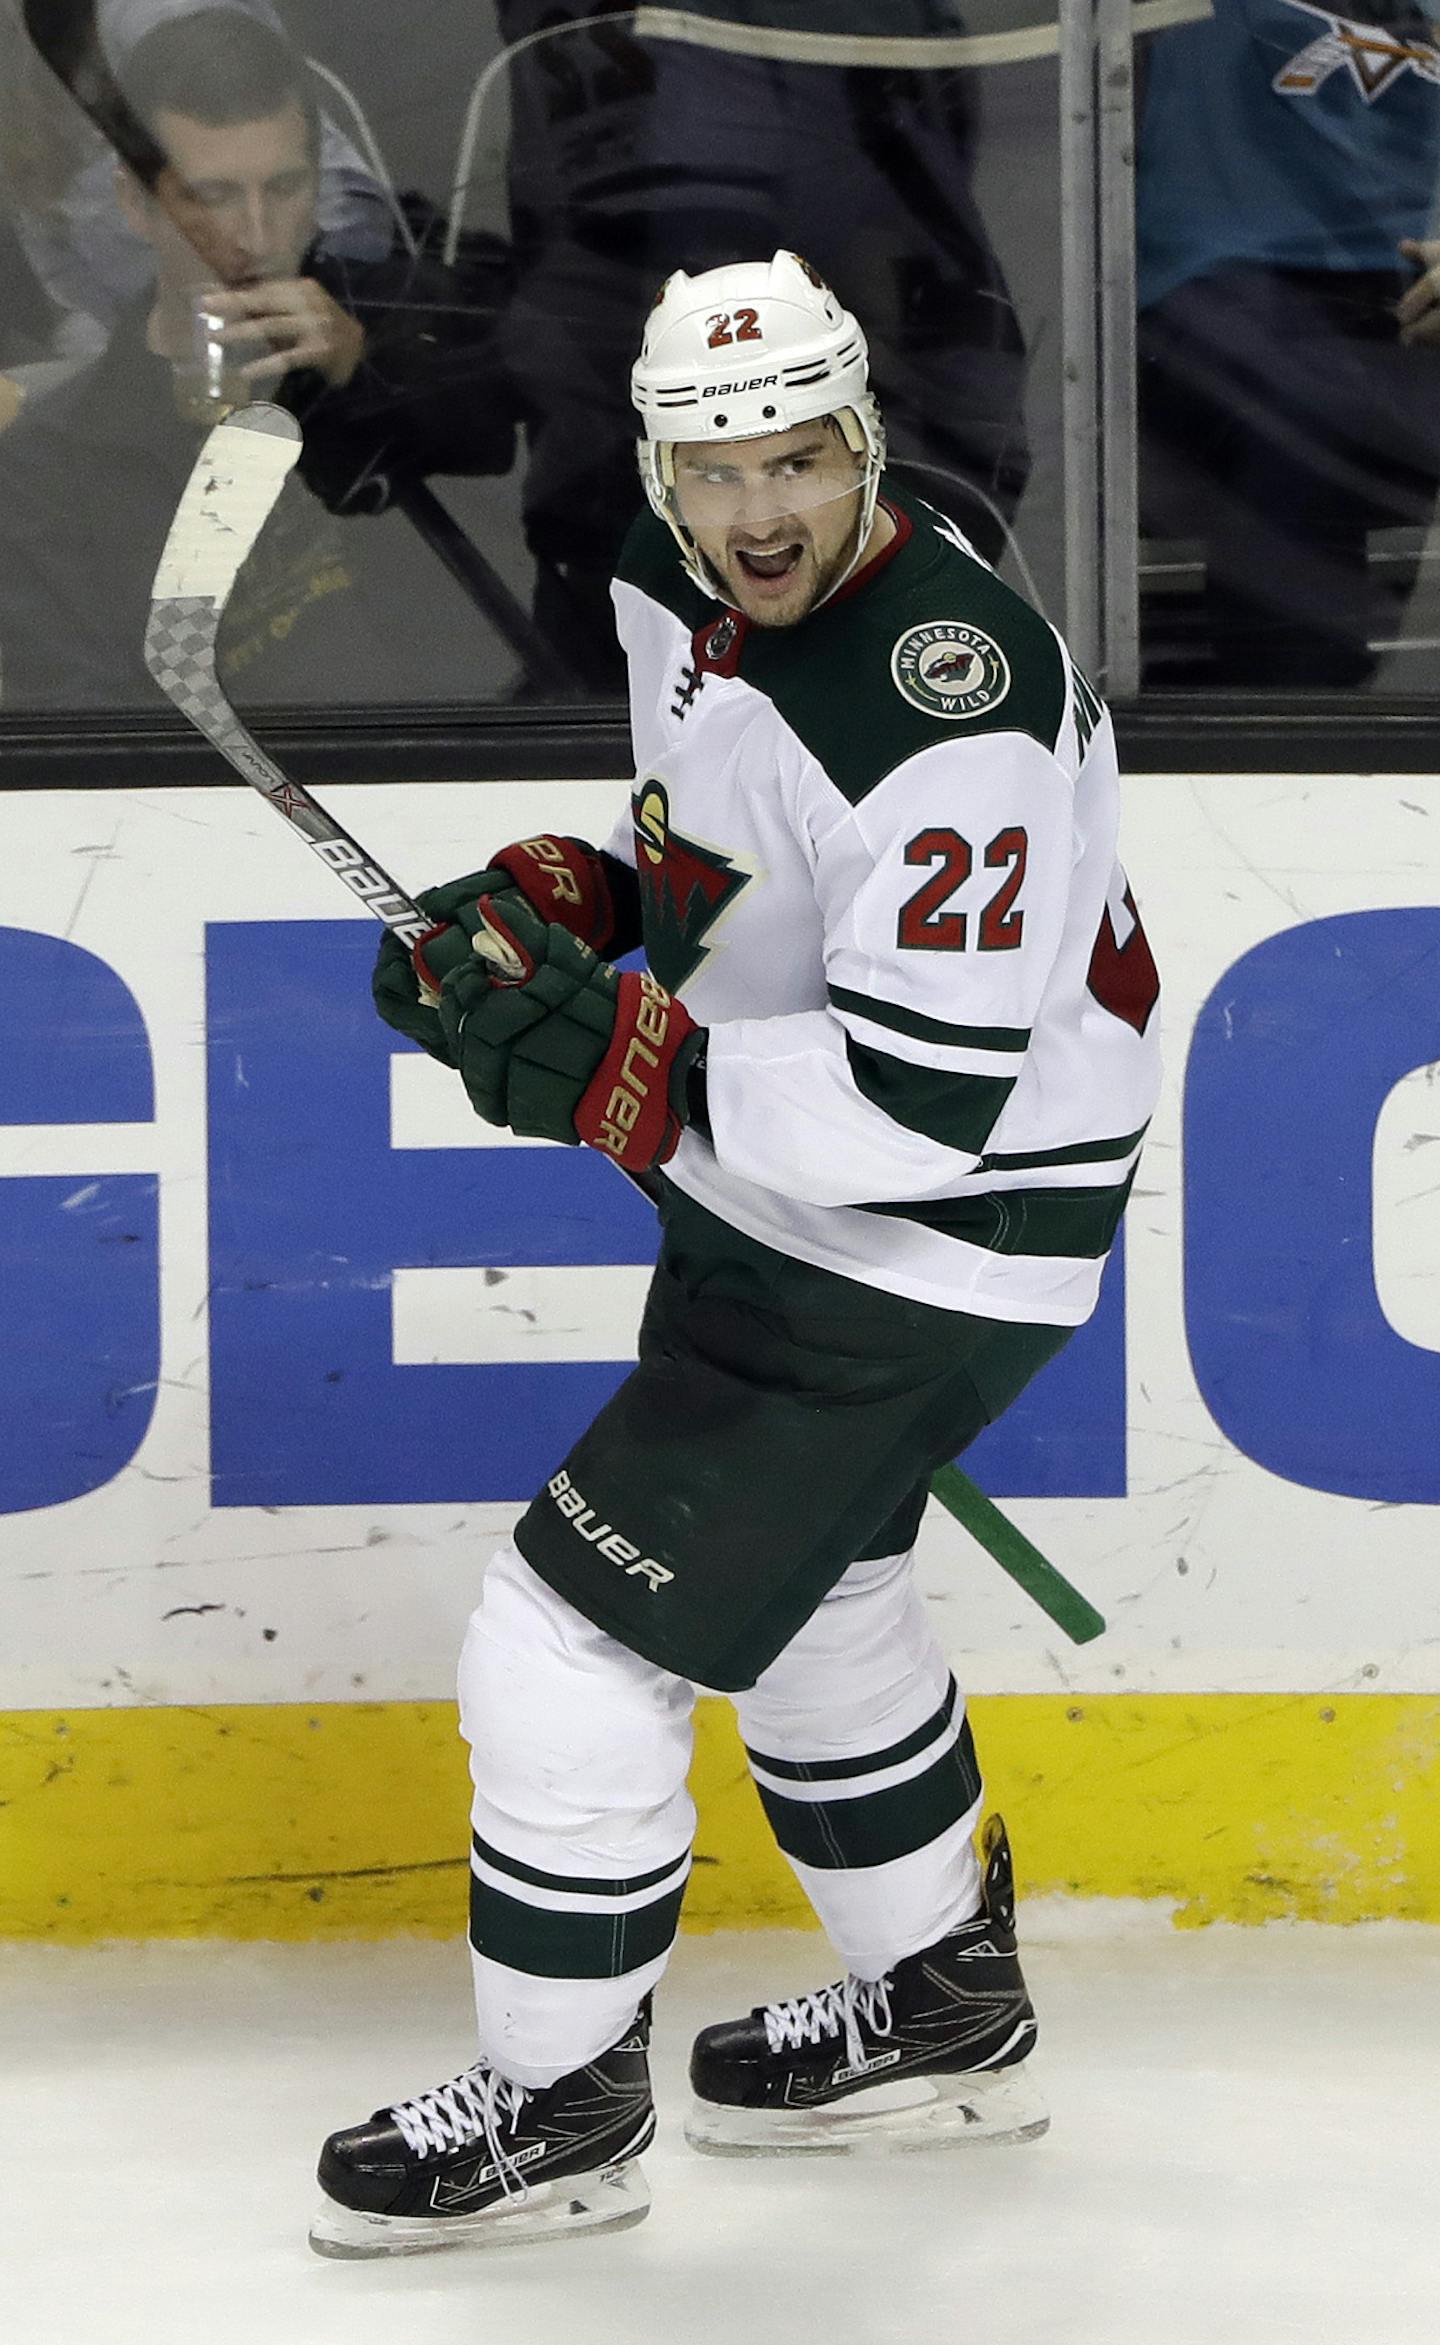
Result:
[[570, 1881], [874, 1828], [569, 1945], [846, 1770]]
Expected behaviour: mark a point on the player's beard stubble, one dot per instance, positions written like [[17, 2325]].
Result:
[[782, 599]]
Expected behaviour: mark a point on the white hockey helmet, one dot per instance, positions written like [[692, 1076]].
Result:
[[743, 351]]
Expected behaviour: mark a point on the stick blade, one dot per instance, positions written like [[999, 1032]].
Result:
[[229, 497]]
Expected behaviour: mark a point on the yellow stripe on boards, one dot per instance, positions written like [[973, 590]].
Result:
[[350, 1821], [256, 1822]]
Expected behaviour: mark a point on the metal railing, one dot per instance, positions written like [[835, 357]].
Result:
[[1094, 43]]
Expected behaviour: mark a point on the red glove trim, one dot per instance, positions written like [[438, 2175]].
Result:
[[501, 940], [564, 880], [428, 982], [625, 1108], [495, 930]]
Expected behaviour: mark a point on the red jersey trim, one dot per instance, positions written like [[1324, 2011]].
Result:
[[904, 531]]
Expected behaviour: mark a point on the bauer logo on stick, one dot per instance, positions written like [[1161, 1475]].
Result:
[[950, 670]]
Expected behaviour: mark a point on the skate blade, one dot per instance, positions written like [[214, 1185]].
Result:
[[997, 2106], [611, 2199]]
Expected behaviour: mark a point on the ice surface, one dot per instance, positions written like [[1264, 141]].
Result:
[[1245, 2141]]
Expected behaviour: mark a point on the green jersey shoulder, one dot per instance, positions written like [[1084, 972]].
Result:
[[650, 562], [932, 648]]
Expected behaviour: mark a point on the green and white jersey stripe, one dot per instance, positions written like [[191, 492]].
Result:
[[877, 856], [971, 1049]]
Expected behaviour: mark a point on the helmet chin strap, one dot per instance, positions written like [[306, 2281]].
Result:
[[871, 448], [866, 525], [657, 472]]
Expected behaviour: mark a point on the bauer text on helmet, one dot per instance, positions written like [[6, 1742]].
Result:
[[768, 515]]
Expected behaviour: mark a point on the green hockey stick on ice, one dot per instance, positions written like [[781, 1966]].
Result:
[[1013, 1552]]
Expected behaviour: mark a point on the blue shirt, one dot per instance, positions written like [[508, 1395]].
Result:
[[1278, 132]]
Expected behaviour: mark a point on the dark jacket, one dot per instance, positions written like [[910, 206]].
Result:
[[91, 474]]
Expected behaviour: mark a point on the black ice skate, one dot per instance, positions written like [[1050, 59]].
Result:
[[932, 2052], [481, 2162]]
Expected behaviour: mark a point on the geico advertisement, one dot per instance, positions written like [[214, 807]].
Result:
[[290, 1336]]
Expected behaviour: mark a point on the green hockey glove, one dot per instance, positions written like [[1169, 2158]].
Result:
[[399, 993], [559, 879], [578, 1051]]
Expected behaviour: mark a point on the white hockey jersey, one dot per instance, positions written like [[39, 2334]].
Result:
[[877, 859]]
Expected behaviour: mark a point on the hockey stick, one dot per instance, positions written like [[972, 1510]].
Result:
[[228, 499], [1008, 1546], [234, 488]]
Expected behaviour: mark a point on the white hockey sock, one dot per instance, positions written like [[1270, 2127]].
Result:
[[863, 1759], [581, 1825], [537, 2030]]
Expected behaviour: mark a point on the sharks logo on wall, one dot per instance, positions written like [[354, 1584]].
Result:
[[685, 886]]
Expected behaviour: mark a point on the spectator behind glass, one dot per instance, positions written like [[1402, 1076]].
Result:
[[631, 158], [365, 355], [80, 256], [1286, 176]]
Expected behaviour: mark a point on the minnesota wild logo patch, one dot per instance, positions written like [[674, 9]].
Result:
[[950, 670], [684, 887]]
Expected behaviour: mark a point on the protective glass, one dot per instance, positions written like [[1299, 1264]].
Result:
[[735, 485]]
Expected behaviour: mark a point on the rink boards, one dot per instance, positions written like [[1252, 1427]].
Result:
[[291, 1337]]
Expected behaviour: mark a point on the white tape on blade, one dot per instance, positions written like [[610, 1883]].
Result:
[[228, 499]]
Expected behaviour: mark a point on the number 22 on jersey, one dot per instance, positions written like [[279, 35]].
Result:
[[925, 926], [1121, 976]]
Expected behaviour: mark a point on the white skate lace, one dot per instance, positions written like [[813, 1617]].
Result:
[[804, 2019], [470, 2108]]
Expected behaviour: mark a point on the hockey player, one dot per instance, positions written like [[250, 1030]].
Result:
[[894, 1049]]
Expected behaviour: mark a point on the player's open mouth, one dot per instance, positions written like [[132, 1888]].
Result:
[[772, 565]]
